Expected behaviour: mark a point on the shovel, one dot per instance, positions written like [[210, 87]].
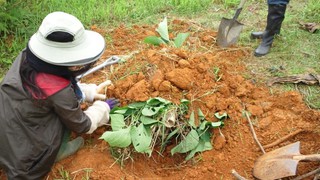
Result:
[[109, 61], [229, 29], [281, 162]]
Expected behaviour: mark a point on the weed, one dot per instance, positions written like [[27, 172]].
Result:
[[164, 36], [64, 174], [142, 125]]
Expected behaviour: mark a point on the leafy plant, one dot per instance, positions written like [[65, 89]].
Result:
[[162, 29], [157, 121]]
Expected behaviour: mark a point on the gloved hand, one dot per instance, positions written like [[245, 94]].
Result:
[[98, 113], [112, 102], [91, 92]]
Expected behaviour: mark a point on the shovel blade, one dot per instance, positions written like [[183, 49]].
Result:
[[278, 163], [228, 32]]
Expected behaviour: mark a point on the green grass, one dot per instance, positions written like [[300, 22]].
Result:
[[296, 50]]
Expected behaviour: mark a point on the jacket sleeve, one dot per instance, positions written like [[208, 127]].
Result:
[[67, 107]]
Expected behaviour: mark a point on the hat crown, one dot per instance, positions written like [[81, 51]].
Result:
[[62, 40], [63, 22]]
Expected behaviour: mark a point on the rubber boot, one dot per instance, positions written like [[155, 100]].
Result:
[[275, 17], [69, 148], [256, 35]]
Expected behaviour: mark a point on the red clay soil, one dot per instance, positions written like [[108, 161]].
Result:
[[189, 72]]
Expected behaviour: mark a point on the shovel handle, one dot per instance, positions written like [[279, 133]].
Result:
[[310, 157], [239, 9], [109, 61]]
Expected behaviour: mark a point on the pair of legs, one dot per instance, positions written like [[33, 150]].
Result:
[[276, 14]]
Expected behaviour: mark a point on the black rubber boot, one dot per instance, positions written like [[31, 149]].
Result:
[[275, 17], [257, 35]]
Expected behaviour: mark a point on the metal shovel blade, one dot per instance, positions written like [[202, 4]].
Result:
[[278, 163], [228, 32], [281, 162]]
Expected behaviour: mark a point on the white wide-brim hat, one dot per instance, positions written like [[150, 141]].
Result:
[[87, 46]]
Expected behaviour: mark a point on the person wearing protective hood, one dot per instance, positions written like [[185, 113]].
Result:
[[40, 98], [276, 14]]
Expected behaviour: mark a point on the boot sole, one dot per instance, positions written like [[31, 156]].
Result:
[[259, 55]]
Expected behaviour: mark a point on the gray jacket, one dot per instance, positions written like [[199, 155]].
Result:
[[30, 135]]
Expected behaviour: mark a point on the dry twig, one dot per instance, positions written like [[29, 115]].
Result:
[[236, 175], [283, 138], [316, 171], [254, 134]]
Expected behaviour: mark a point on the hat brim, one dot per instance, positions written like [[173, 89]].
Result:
[[88, 51]]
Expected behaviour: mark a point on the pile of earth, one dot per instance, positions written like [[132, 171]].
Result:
[[213, 79]]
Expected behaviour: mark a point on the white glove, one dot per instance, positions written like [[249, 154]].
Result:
[[91, 92], [98, 113]]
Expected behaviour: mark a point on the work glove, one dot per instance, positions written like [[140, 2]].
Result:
[[112, 102], [91, 92], [98, 113]]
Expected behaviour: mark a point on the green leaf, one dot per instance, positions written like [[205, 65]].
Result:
[[216, 124], [141, 138], [192, 120], [179, 40], [156, 101], [221, 117], [163, 30], [120, 138], [184, 101], [154, 40], [189, 143], [202, 146], [136, 105], [119, 110], [147, 121], [117, 121], [201, 115], [203, 125], [211, 124], [150, 111]]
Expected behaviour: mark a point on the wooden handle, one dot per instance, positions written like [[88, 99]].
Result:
[[311, 157]]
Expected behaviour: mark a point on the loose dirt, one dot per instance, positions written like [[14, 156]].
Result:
[[214, 80]]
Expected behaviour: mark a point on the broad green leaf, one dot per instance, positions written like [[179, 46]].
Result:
[[119, 110], [150, 111], [221, 117], [203, 125], [154, 40], [156, 101], [179, 40], [120, 138], [211, 124], [136, 105], [189, 143], [204, 144], [216, 124], [163, 29], [147, 121], [192, 120], [117, 121], [141, 138]]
